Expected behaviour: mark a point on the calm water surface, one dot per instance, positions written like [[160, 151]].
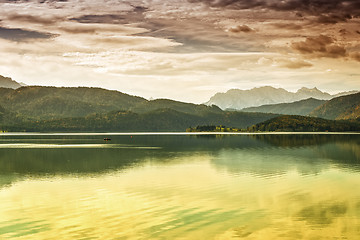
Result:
[[180, 187]]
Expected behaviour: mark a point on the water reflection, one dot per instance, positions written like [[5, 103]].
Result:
[[186, 187], [253, 154]]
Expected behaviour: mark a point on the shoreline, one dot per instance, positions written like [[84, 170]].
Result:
[[169, 133]]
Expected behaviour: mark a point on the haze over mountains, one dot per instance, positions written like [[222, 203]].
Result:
[[6, 82], [238, 99]]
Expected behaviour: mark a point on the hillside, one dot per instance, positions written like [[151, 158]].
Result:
[[6, 82], [125, 121], [302, 107], [147, 106], [51, 103], [39, 103], [291, 123], [345, 107], [238, 99], [95, 109]]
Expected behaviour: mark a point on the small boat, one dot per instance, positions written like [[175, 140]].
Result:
[[107, 139]]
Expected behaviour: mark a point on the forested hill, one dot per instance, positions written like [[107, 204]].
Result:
[[292, 123], [345, 107], [37, 102], [94, 109], [35, 108], [41, 103], [302, 107]]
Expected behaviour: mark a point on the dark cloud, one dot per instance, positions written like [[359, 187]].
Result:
[[321, 46], [105, 18], [290, 26], [241, 28], [38, 1], [18, 34], [33, 19], [79, 30], [197, 36], [328, 10], [356, 56], [332, 18], [343, 32], [133, 16]]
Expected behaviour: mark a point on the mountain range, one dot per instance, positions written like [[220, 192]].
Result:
[[38, 108], [35, 108], [302, 107], [338, 108], [237, 99]]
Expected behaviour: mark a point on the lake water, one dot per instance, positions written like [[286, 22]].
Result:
[[304, 186]]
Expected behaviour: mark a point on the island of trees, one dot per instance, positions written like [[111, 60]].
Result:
[[289, 123]]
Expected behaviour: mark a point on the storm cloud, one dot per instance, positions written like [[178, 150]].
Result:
[[18, 34], [241, 28], [307, 6], [321, 46], [33, 19]]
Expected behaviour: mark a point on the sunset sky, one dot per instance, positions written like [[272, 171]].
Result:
[[182, 49]]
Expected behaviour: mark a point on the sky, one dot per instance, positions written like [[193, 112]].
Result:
[[185, 50]]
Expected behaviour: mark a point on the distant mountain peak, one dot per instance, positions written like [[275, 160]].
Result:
[[6, 82], [305, 89], [239, 99]]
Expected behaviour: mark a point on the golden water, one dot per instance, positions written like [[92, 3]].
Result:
[[180, 187]]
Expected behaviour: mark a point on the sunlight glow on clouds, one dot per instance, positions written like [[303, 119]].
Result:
[[185, 50]]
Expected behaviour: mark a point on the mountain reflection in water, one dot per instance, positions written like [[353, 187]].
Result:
[[168, 187]]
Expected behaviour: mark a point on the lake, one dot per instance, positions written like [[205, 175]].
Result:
[[261, 186]]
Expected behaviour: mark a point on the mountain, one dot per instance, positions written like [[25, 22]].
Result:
[[304, 93], [53, 103], [34, 108], [37, 102], [158, 120], [345, 107], [147, 106], [292, 123], [340, 94], [125, 121], [302, 107], [239, 99], [6, 82]]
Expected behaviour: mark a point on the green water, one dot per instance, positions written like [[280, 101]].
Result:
[[180, 187]]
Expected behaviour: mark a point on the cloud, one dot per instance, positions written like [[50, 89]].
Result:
[[321, 46], [104, 18], [18, 34], [32, 19], [355, 55], [38, 1], [310, 7], [135, 15], [295, 64], [290, 26], [333, 18], [240, 28]]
